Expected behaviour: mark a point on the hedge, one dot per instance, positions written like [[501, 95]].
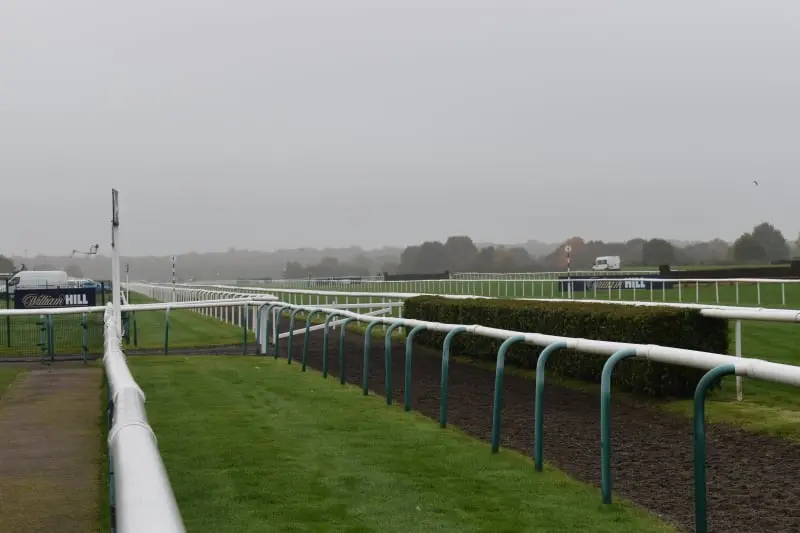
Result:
[[666, 326]]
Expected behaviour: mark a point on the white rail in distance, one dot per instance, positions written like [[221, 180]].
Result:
[[757, 368], [745, 290]]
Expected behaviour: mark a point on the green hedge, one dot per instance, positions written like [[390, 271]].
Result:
[[665, 326]]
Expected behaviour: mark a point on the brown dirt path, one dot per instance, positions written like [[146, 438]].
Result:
[[752, 479], [50, 451]]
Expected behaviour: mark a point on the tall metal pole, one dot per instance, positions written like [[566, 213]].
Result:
[[127, 283], [115, 274], [173, 278]]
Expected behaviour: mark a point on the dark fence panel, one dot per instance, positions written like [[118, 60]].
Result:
[[614, 282], [790, 271], [415, 277]]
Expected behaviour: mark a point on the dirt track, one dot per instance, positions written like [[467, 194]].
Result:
[[751, 478]]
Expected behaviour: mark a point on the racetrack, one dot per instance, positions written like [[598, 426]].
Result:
[[751, 478]]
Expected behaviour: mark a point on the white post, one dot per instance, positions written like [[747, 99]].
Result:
[[127, 283], [115, 275], [738, 330]]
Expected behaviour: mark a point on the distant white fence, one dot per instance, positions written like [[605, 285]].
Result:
[[734, 291]]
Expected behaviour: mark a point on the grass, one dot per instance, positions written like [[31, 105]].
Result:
[[187, 329], [770, 408], [7, 376], [281, 450]]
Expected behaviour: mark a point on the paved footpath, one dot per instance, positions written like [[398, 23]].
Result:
[[50, 451]]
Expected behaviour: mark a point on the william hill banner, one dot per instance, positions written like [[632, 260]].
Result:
[[608, 282], [50, 298]]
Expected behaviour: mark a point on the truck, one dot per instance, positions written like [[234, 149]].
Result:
[[607, 262], [38, 279]]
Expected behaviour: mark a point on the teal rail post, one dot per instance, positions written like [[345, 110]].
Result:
[[306, 338], [367, 350], [497, 405], [84, 338], [166, 331], [291, 334], [278, 314], [267, 324], [245, 325], [700, 394], [605, 419], [538, 408], [135, 331], [341, 349], [325, 335], [42, 323], [448, 340], [51, 351], [387, 360], [407, 374]]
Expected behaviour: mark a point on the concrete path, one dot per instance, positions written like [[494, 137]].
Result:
[[50, 451]]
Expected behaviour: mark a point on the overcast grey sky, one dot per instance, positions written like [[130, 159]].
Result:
[[263, 124]]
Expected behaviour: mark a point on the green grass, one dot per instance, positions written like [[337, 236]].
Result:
[[7, 376], [253, 445], [187, 329]]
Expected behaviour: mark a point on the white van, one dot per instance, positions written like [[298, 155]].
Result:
[[39, 279], [607, 262]]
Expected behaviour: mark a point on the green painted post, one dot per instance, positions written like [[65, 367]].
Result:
[[325, 335], [135, 331], [538, 408], [245, 324], [448, 339], [85, 338], [166, 331], [498, 388], [407, 375], [278, 315], [605, 419], [387, 360], [291, 336], [341, 349], [367, 350], [700, 394], [306, 338], [50, 338]]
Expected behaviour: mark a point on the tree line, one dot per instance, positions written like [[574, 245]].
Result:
[[763, 244]]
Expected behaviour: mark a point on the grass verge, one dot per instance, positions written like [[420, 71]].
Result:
[[187, 329], [282, 450], [7, 377]]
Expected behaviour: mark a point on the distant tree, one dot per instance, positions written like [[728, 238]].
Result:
[[772, 240], [796, 250], [461, 253], [294, 270], [658, 252], [6, 265], [747, 249], [44, 266], [711, 252], [74, 271]]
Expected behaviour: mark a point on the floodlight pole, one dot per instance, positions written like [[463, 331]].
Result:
[[127, 283], [115, 274]]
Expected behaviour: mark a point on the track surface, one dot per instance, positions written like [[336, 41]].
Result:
[[50, 451], [751, 478]]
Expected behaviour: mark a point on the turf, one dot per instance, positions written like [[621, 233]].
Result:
[[7, 377], [187, 329], [255, 445]]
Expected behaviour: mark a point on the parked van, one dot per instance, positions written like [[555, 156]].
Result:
[[38, 279], [607, 262]]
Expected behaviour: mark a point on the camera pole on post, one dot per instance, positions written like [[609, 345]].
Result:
[[115, 275], [568, 249]]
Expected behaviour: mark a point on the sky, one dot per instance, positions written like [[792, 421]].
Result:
[[260, 124]]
